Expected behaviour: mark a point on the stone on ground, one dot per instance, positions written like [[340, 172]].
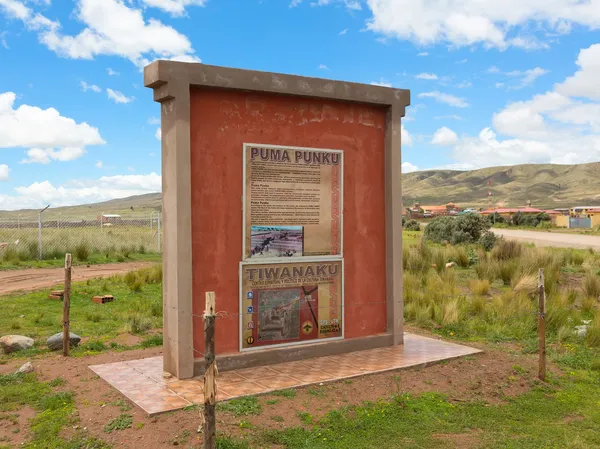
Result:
[[14, 343], [26, 368], [56, 341]]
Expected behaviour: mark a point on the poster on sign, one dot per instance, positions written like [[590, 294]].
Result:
[[290, 303], [292, 202]]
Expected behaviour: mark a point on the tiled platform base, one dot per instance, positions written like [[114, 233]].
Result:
[[142, 380]]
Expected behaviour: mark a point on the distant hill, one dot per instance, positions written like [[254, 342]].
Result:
[[133, 205], [545, 185]]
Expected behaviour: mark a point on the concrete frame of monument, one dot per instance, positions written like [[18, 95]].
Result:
[[171, 82]]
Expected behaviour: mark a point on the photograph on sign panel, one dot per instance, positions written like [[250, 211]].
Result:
[[278, 314], [277, 241]]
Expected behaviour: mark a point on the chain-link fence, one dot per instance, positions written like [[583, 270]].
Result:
[[50, 235]]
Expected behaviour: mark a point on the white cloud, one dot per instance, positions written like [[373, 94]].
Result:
[[75, 192], [405, 137], [448, 117], [118, 97], [99, 164], [426, 76], [527, 76], [344, 31], [3, 35], [295, 3], [462, 61], [407, 167], [486, 22], [174, 7], [46, 155], [4, 172], [110, 28], [111, 72], [499, 85], [464, 84], [154, 121], [32, 127], [448, 99], [350, 4], [158, 134], [423, 53], [559, 126], [444, 136], [85, 86], [323, 67], [382, 83], [584, 83], [493, 69]]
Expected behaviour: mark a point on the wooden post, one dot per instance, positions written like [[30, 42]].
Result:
[[542, 326], [67, 306], [210, 374]]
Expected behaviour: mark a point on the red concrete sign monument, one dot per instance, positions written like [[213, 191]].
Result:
[[282, 194]]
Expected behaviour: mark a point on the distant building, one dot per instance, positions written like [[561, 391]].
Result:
[[435, 211], [109, 218], [584, 211]]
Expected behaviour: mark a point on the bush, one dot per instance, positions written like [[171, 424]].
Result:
[[495, 218], [506, 249], [412, 225], [544, 225], [82, 252], [479, 286], [591, 285], [488, 240], [466, 228]]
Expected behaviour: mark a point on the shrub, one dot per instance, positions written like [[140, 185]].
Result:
[[480, 286], [495, 218], [412, 225], [82, 252], [591, 285], [488, 240], [461, 257], [544, 225], [466, 228], [506, 270], [506, 249], [138, 324], [440, 229], [527, 284]]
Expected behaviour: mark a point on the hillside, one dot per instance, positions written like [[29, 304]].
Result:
[[545, 185], [141, 204]]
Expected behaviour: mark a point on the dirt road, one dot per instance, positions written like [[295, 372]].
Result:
[[540, 238], [36, 278]]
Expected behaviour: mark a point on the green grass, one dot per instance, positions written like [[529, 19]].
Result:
[[285, 393], [242, 407], [121, 422], [55, 411], [132, 311], [540, 418], [94, 259]]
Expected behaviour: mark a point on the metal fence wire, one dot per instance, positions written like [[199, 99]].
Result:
[[50, 235]]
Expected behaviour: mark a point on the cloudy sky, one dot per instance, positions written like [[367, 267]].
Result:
[[493, 82]]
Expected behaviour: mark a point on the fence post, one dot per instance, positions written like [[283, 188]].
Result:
[[158, 229], [210, 373], [542, 326], [67, 306], [40, 234]]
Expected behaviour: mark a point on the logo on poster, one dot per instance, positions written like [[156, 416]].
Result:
[[250, 309], [250, 324], [307, 327]]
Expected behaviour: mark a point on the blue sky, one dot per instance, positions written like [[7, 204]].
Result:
[[492, 82]]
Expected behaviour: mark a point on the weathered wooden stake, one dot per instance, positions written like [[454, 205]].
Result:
[[210, 373], [542, 326], [67, 305]]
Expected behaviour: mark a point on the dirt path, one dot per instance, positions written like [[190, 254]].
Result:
[[36, 278], [540, 238]]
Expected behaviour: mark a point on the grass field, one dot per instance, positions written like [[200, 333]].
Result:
[[487, 298], [136, 310], [87, 244]]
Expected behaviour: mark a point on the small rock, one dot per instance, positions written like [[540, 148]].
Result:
[[581, 331], [450, 264], [14, 343], [167, 375], [26, 368], [55, 342], [21, 316]]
